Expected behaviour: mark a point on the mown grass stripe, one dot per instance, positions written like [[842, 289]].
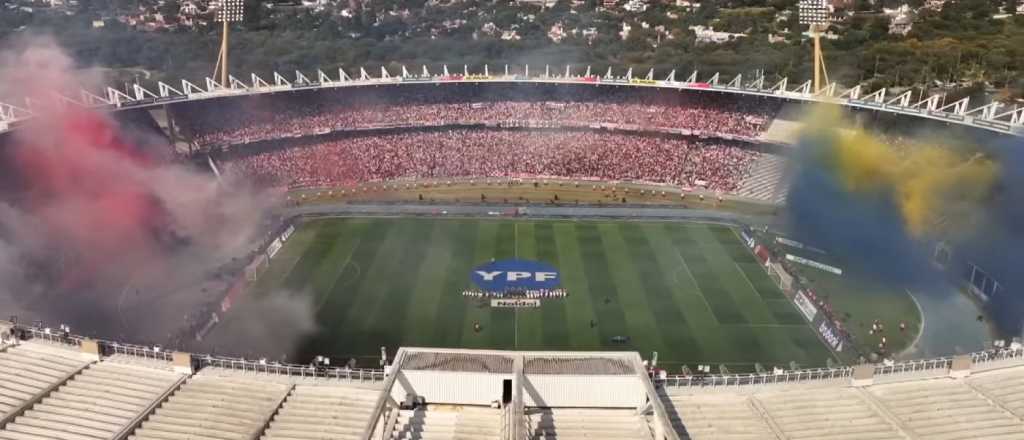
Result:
[[298, 280], [478, 310], [503, 321], [528, 321], [723, 305], [611, 319], [629, 287], [671, 323], [677, 274], [335, 335], [336, 264], [555, 319], [451, 313], [729, 276], [580, 306], [429, 287], [391, 311]]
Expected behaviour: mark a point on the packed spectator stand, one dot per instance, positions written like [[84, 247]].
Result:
[[717, 166], [252, 119], [351, 136]]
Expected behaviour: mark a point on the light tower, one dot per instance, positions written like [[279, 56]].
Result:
[[227, 12], [814, 13]]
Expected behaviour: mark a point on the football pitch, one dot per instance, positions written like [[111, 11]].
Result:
[[691, 292]]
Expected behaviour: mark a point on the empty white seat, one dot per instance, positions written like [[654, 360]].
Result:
[[94, 404], [221, 408], [313, 412], [946, 408]]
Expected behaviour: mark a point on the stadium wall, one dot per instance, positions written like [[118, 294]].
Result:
[[450, 387], [561, 390]]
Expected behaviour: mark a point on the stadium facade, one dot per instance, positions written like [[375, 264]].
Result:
[[60, 386]]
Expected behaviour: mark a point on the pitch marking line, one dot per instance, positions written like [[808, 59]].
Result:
[[700, 292], [749, 283], [767, 325], [341, 273], [913, 345]]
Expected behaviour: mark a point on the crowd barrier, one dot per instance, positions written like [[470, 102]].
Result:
[[305, 371], [915, 366], [110, 348], [818, 374]]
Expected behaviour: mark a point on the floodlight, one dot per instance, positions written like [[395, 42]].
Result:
[[813, 12], [228, 10]]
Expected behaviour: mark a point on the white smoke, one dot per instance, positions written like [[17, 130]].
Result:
[[104, 234]]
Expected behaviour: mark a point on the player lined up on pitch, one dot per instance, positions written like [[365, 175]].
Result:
[[517, 293]]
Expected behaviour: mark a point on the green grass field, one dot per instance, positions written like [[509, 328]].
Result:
[[692, 292]]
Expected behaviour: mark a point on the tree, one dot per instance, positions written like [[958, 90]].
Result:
[[1010, 7], [169, 10]]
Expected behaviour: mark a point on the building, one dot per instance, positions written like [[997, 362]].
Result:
[[708, 35], [901, 25], [635, 6], [541, 3]]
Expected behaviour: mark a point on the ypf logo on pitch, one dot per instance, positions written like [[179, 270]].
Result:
[[505, 275]]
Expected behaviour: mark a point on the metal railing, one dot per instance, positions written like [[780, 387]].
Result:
[[363, 375], [820, 374], [56, 337], [997, 358], [918, 366], [138, 351]]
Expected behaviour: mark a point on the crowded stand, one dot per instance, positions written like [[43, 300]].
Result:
[[714, 165], [257, 118]]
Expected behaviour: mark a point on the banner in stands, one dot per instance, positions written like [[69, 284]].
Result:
[[748, 237], [805, 305], [814, 264], [515, 276], [287, 233], [515, 303], [274, 247], [828, 330]]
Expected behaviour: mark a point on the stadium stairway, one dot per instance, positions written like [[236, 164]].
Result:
[[1003, 387], [448, 422], [715, 417], [214, 407], [836, 413], [584, 423], [99, 402], [947, 409], [30, 370], [323, 411], [765, 180]]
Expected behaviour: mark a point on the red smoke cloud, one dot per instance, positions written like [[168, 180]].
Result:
[[87, 191]]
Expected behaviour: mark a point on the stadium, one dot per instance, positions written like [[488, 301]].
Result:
[[527, 254]]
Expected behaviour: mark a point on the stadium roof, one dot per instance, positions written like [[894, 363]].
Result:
[[990, 116]]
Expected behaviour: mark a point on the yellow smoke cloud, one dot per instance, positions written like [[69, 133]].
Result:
[[936, 187]]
